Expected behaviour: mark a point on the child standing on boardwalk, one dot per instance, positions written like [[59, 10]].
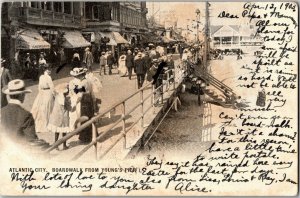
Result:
[[59, 118]]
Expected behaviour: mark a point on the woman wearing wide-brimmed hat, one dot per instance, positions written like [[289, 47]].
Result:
[[43, 103], [76, 90]]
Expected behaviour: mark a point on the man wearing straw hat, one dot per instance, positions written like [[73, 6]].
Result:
[[88, 58], [17, 122], [140, 69]]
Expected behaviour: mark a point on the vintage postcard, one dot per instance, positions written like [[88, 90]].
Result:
[[142, 98]]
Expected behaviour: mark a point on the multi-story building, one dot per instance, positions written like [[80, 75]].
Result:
[[234, 37], [121, 22], [41, 26]]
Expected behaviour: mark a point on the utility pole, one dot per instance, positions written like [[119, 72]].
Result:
[[197, 35], [206, 37]]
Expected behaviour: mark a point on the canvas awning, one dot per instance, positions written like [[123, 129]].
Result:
[[167, 40], [114, 38], [89, 36], [30, 39], [119, 39], [151, 38], [74, 39]]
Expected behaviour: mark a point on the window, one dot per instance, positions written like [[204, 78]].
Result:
[[34, 4], [67, 7], [88, 12], [43, 5], [48, 5], [57, 6], [95, 12]]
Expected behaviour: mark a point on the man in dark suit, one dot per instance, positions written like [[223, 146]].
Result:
[[147, 60], [129, 63], [17, 122], [140, 69], [5, 78], [110, 62]]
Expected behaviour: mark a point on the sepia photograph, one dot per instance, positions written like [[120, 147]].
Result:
[[149, 98]]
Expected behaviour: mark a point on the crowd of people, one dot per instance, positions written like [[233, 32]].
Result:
[[57, 109], [137, 60]]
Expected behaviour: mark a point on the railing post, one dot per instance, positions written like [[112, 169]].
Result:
[[94, 137], [153, 98], [162, 89], [124, 124], [174, 79], [142, 108], [168, 80]]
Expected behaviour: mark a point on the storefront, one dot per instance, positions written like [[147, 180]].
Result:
[[28, 41], [31, 40], [74, 42]]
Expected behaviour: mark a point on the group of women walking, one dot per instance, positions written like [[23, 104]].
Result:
[[57, 109]]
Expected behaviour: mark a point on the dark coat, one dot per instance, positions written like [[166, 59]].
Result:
[[140, 66], [159, 71], [5, 78], [151, 72], [147, 61], [110, 59], [18, 123], [170, 64], [261, 99], [129, 61]]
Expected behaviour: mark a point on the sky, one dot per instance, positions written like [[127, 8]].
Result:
[[187, 10]]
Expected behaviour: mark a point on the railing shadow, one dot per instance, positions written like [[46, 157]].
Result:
[[207, 123], [113, 132]]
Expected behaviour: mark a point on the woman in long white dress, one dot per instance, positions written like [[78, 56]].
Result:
[[76, 89], [44, 101], [122, 65]]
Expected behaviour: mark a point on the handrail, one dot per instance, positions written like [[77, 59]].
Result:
[[218, 84], [88, 123], [215, 82], [106, 131], [95, 118], [204, 74]]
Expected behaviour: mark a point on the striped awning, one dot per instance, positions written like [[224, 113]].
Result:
[[74, 39], [30, 39], [115, 38]]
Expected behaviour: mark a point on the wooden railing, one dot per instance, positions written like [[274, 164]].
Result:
[[157, 94]]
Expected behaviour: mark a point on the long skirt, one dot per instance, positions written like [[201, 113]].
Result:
[[122, 70], [59, 119], [41, 109], [87, 109], [74, 115]]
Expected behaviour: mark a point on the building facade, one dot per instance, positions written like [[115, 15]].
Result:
[[122, 23], [34, 27], [233, 37]]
